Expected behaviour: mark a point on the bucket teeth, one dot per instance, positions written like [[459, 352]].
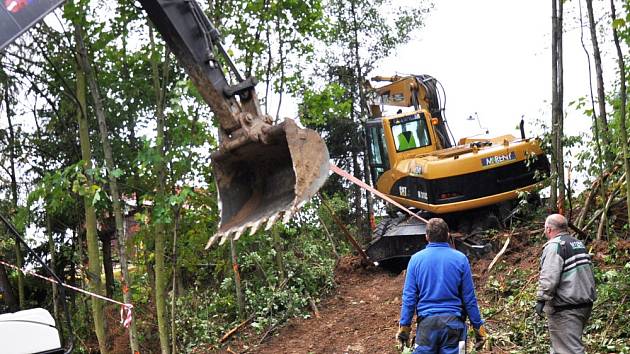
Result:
[[212, 240], [271, 221], [287, 216], [224, 238], [255, 227], [240, 232]]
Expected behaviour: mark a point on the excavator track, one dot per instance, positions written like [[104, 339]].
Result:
[[397, 238]]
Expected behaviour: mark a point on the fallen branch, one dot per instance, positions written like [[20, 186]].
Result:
[[603, 221], [496, 258], [344, 230], [582, 234], [313, 306], [236, 329]]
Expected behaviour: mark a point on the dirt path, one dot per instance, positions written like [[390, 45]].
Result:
[[361, 317]]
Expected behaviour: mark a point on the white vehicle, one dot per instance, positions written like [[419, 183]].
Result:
[[29, 331]]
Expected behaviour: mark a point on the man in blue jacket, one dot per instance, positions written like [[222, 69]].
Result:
[[439, 289]]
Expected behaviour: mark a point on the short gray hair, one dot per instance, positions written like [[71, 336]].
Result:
[[557, 222]]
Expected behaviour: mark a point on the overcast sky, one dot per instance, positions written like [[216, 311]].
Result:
[[493, 57]]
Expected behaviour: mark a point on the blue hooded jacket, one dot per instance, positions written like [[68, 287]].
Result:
[[439, 282]]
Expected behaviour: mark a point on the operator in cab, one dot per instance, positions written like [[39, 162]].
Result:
[[439, 289]]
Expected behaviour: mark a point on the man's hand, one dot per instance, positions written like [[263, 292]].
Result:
[[403, 336], [540, 305], [480, 337]]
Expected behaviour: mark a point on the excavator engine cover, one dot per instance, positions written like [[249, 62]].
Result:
[[260, 181]]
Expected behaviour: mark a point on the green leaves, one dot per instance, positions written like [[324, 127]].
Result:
[[318, 108]]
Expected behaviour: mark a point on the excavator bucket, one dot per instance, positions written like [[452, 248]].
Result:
[[259, 182]]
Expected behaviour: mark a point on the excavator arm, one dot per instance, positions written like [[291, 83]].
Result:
[[263, 171]]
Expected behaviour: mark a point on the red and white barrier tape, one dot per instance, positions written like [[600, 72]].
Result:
[[363, 185], [125, 309]]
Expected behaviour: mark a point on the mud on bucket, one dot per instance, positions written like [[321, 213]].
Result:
[[258, 182]]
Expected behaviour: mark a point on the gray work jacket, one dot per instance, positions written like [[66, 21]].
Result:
[[566, 273]]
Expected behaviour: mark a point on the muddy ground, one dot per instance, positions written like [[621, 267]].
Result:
[[361, 316]]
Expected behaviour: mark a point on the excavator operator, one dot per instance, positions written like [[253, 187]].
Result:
[[440, 289]]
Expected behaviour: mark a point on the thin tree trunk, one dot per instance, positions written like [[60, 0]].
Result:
[[108, 265], [160, 234], [53, 258], [94, 263], [557, 166], [7, 291], [237, 280], [362, 106], [14, 194], [601, 96], [595, 128], [177, 215], [358, 206], [277, 245], [560, 112], [116, 205], [623, 97], [281, 64]]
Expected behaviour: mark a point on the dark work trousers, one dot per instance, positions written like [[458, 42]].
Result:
[[565, 330], [441, 335]]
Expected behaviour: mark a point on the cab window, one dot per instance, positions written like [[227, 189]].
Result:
[[379, 161], [410, 132]]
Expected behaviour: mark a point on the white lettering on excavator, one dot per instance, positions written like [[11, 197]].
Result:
[[422, 195], [497, 159]]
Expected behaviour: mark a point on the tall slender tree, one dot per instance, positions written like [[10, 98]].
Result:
[[94, 263], [161, 275], [601, 95], [557, 113], [623, 101]]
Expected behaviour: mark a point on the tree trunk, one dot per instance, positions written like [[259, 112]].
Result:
[[601, 96], [108, 265], [362, 105], [623, 97], [240, 300], [160, 234], [94, 263], [7, 291], [14, 195], [560, 112], [177, 215], [557, 165], [116, 204], [279, 248], [53, 257]]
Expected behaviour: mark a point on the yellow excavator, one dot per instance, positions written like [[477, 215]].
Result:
[[415, 161]]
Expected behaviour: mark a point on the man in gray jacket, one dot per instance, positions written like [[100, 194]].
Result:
[[566, 288]]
